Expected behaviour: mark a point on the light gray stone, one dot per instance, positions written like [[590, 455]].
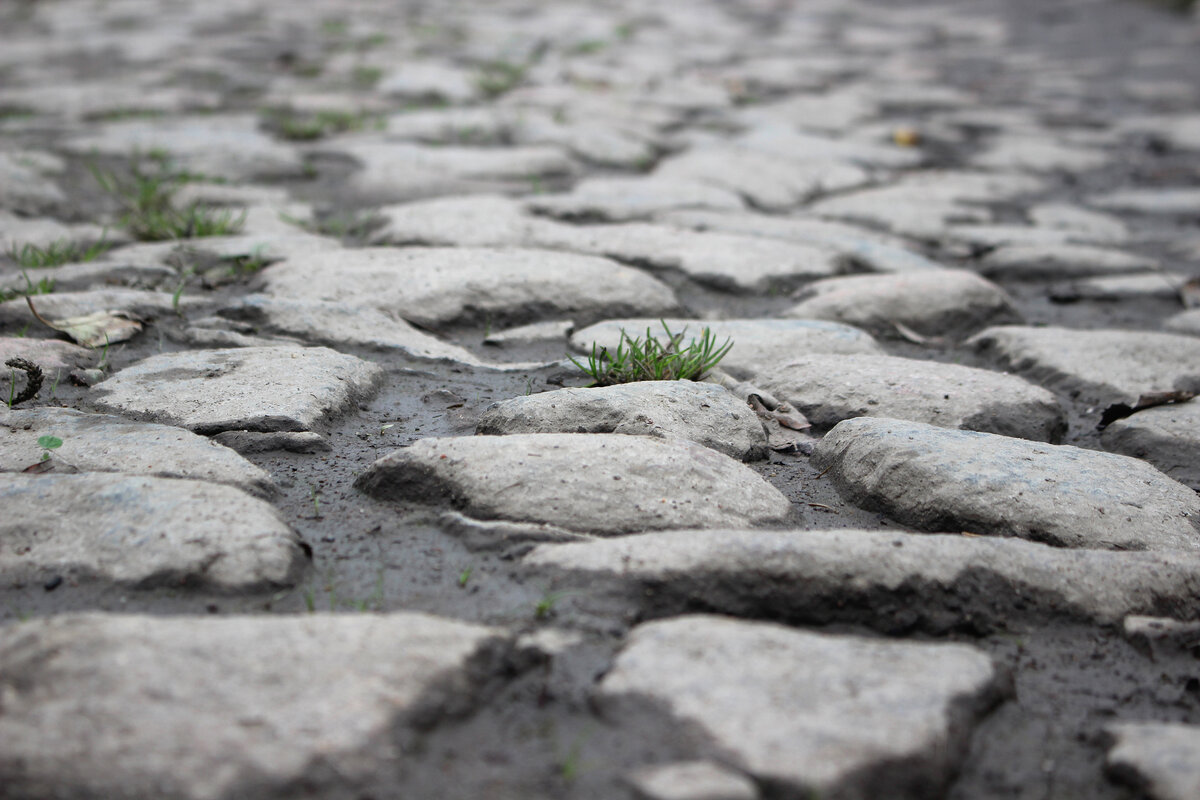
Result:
[[784, 141], [1166, 436], [92, 99], [262, 389], [259, 442], [937, 479], [1161, 759], [699, 412], [621, 199], [1155, 636], [336, 324], [396, 171], [203, 708], [25, 186], [1038, 153], [875, 251], [765, 181], [691, 780], [722, 260], [218, 146], [827, 389], [43, 232], [1147, 286], [1094, 366], [52, 355], [104, 443], [807, 713], [950, 303], [425, 81], [552, 331], [436, 287], [590, 483], [64, 305], [143, 533], [981, 238], [759, 345], [890, 581], [1081, 224], [1149, 201], [1185, 322], [1058, 261], [96, 275], [1181, 131], [482, 220]]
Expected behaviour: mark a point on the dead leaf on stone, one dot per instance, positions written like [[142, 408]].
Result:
[[1189, 293], [1121, 410], [783, 413], [96, 329], [916, 338]]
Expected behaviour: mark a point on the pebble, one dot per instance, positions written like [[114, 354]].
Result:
[[807, 712], [590, 483], [1014, 262], [691, 780], [1159, 758], [937, 479]]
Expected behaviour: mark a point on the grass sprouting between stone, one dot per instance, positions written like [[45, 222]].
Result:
[[650, 359]]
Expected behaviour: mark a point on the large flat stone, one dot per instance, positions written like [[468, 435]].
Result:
[[827, 389], [1057, 261], [1094, 366], [945, 480], [1150, 201], [440, 286], [887, 580], [104, 443], [810, 714], [759, 345], [247, 388], [65, 305], [1160, 759], [953, 303], [622, 199], [722, 260], [143, 533], [589, 483], [1166, 436], [700, 412], [206, 708]]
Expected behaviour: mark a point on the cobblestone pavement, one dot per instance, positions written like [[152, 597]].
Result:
[[310, 503]]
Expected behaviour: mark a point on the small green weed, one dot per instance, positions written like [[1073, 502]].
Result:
[[544, 608], [653, 360], [497, 77], [465, 576], [366, 77], [298, 126], [43, 286], [148, 208], [48, 443], [30, 256]]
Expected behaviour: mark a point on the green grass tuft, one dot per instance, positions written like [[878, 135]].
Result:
[[149, 211], [653, 360], [30, 256]]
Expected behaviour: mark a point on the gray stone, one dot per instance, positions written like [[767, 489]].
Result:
[[1160, 759], [937, 479], [424, 81], [96, 99], [217, 146], [64, 305], [483, 220], [806, 713], [1166, 436], [507, 537], [1094, 366], [691, 780], [396, 172], [699, 412], [552, 331], [981, 238], [622, 199], [1181, 131], [435, 287], [722, 260], [262, 389], [51, 355], [143, 533], [765, 181], [25, 187], [96, 275], [103, 443], [43, 232], [1155, 636], [950, 303], [833, 111], [258, 442], [827, 389], [336, 324], [1058, 261], [784, 141], [1148, 286], [1081, 224], [589, 483], [1037, 153], [142, 689], [890, 581], [875, 251], [1185, 322], [1149, 201], [759, 345]]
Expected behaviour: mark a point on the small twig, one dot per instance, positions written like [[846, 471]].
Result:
[[33, 379], [39, 317]]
